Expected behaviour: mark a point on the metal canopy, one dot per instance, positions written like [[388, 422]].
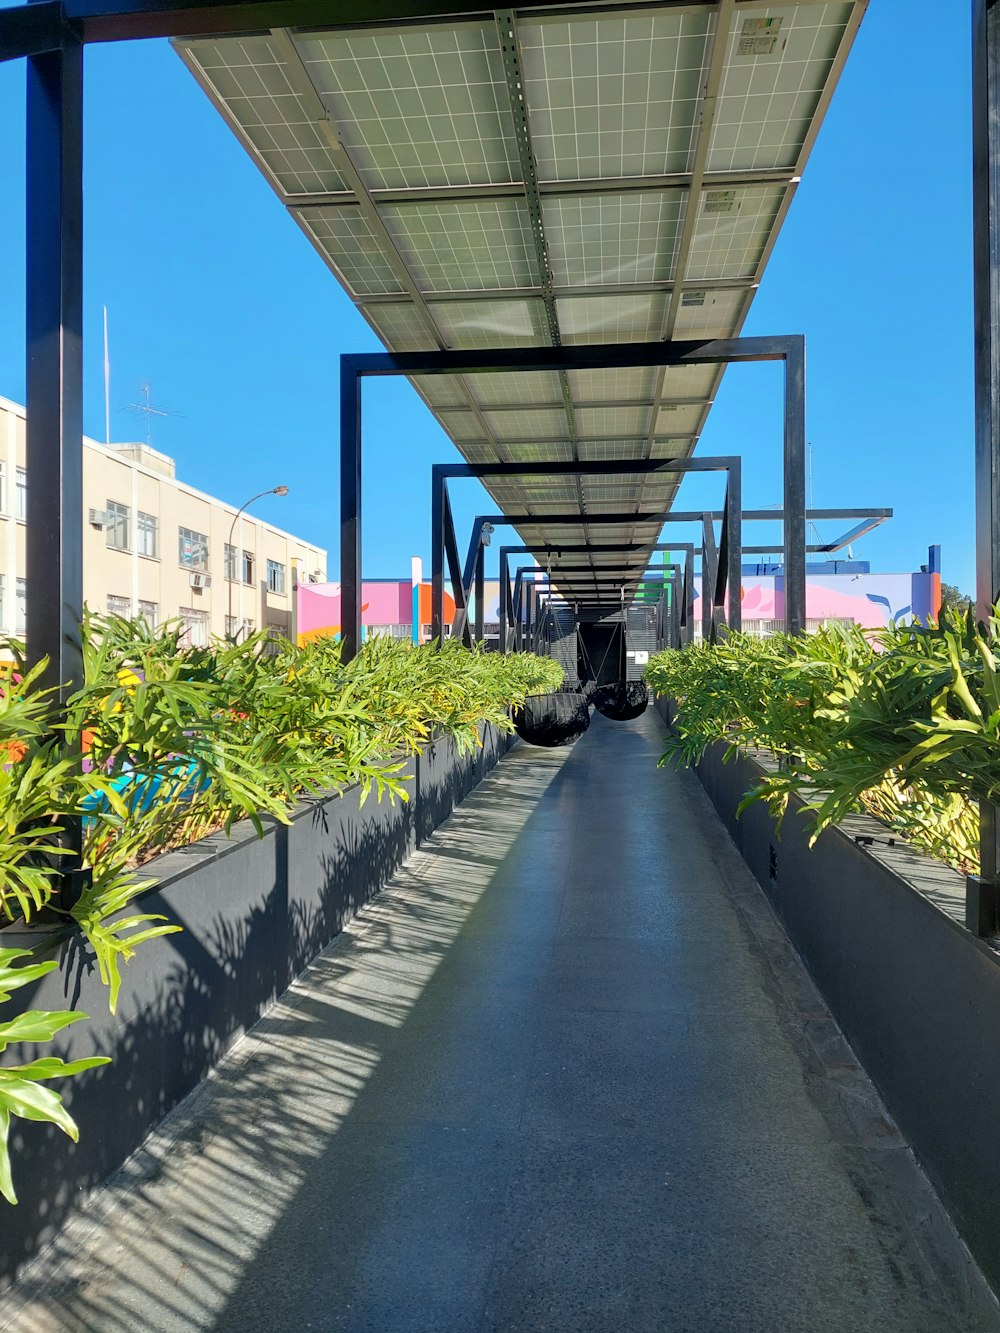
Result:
[[545, 178]]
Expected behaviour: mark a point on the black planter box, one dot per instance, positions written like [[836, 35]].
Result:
[[255, 912]]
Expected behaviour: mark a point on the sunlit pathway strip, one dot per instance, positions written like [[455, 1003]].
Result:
[[564, 1074]]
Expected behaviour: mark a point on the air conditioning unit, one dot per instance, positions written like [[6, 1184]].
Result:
[[200, 580], [99, 518]]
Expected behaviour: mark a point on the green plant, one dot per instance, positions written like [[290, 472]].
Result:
[[903, 723], [21, 1090], [164, 743]]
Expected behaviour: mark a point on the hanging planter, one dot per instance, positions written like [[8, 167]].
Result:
[[552, 719], [623, 701]]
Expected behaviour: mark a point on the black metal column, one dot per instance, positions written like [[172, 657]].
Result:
[[54, 324], [350, 510], [504, 598], [795, 486], [734, 548], [986, 267], [479, 592], [709, 566], [437, 557]]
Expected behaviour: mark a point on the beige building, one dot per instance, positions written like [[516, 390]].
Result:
[[153, 546]]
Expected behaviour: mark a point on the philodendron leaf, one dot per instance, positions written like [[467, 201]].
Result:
[[11, 978], [37, 1025], [51, 1066], [19, 1096]]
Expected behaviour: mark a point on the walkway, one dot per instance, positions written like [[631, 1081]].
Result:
[[566, 1074]]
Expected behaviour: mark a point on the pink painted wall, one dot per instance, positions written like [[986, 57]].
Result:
[[870, 600]]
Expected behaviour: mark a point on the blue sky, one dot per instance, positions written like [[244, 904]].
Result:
[[219, 302]]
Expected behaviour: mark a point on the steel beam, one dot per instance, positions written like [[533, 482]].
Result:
[[986, 269], [709, 579], [55, 363], [350, 514], [480, 592], [54, 373], [31, 30], [578, 356], [133, 20], [795, 487], [605, 468]]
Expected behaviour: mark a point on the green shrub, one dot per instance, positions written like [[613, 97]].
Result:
[[903, 723], [164, 743]]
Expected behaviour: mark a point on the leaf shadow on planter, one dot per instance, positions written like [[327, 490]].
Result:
[[250, 1168], [254, 913]]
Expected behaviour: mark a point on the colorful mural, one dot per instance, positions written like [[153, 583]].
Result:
[[872, 601], [383, 602]]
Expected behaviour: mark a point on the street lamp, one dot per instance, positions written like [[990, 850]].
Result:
[[275, 490]]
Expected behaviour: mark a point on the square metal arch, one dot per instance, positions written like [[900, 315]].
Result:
[[444, 546], [788, 349], [711, 590]]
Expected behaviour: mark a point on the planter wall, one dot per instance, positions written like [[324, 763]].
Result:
[[916, 994], [255, 911]]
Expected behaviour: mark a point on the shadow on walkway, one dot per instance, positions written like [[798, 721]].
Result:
[[565, 1073]]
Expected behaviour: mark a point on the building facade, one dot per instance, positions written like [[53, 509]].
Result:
[[155, 547]]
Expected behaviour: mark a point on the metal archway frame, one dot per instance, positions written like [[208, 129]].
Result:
[[444, 544], [685, 594], [354, 368]]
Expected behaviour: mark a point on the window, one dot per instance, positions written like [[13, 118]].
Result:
[[149, 611], [276, 634], [195, 633], [389, 631], [21, 499], [239, 565], [116, 533], [192, 549], [275, 577], [22, 607], [239, 629], [149, 534], [119, 606]]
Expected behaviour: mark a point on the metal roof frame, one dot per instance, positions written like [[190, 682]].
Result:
[[788, 349], [444, 547]]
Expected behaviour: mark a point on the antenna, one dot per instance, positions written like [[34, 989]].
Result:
[[107, 383], [809, 487], [147, 410]]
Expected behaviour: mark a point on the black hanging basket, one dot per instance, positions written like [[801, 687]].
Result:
[[552, 719], [622, 701]]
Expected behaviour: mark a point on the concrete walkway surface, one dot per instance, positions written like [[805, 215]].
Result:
[[565, 1074]]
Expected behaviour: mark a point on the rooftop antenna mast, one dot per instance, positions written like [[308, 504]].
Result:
[[107, 383], [146, 409], [809, 474]]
